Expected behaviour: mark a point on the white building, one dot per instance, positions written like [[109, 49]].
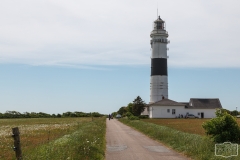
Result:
[[166, 108]]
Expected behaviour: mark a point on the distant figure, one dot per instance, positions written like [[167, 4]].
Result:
[[109, 117]]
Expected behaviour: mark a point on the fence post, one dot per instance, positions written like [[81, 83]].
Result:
[[17, 145]]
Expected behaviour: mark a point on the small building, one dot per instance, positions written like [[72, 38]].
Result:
[[203, 107], [166, 108]]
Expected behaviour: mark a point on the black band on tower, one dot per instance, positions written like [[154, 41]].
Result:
[[159, 66]]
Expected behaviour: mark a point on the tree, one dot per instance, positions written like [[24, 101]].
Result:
[[129, 107], [122, 110], [26, 115], [138, 106], [96, 114], [234, 113], [66, 114], [223, 128], [114, 114]]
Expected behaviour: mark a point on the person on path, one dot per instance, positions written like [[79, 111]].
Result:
[[109, 117]]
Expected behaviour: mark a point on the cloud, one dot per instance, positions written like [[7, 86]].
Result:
[[88, 33]]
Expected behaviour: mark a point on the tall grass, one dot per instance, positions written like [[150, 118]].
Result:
[[55, 138], [192, 145], [87, 142], [193, 126]]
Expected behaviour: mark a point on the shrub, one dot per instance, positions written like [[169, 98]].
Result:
[[143, 116], [133, 118], [223, 128], [128, 114]]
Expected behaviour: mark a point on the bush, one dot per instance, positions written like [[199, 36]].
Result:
[[143, 116], [128, 114], [223, 128], [133, 118]]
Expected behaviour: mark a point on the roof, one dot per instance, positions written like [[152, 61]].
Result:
[[158, 19], [201, 103], [166, 102]]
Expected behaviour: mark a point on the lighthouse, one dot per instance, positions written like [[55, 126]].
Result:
[[159, 71]]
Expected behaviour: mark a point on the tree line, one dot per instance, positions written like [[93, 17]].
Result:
[[16, 114]]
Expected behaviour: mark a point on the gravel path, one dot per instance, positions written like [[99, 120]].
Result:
[[125, 143]]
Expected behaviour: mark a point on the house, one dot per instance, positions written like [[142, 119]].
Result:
[[166, 108]]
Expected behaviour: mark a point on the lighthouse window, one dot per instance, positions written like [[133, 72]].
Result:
[[168, 110], [173, 111], [159, 25]]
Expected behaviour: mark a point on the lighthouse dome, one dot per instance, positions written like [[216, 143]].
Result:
[[159, 24]]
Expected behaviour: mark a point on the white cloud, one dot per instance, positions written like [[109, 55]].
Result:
[[87, 33]]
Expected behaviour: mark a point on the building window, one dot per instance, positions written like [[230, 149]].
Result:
[[168, 110], [173, 111], [198, 113]]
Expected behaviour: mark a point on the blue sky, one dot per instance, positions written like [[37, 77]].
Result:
[[58, 56]]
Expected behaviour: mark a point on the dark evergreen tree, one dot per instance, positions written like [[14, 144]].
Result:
[[138, 106]]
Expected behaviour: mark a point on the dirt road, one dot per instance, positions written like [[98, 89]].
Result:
[[124, 143]]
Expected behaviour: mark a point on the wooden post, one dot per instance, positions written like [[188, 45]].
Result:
[[17, 145]]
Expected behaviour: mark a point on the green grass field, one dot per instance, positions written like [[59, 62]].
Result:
[[55, 138]]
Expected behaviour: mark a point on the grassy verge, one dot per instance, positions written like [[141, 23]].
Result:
[[55, 138], [87, 142], [192, 145], [193, 126]]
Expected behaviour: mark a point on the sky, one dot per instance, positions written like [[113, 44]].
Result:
[[94, 56]]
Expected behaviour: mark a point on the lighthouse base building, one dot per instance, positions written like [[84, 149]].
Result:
[[199, 107], [160, 106]]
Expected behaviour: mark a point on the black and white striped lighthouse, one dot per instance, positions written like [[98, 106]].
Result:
[[159, 71]]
